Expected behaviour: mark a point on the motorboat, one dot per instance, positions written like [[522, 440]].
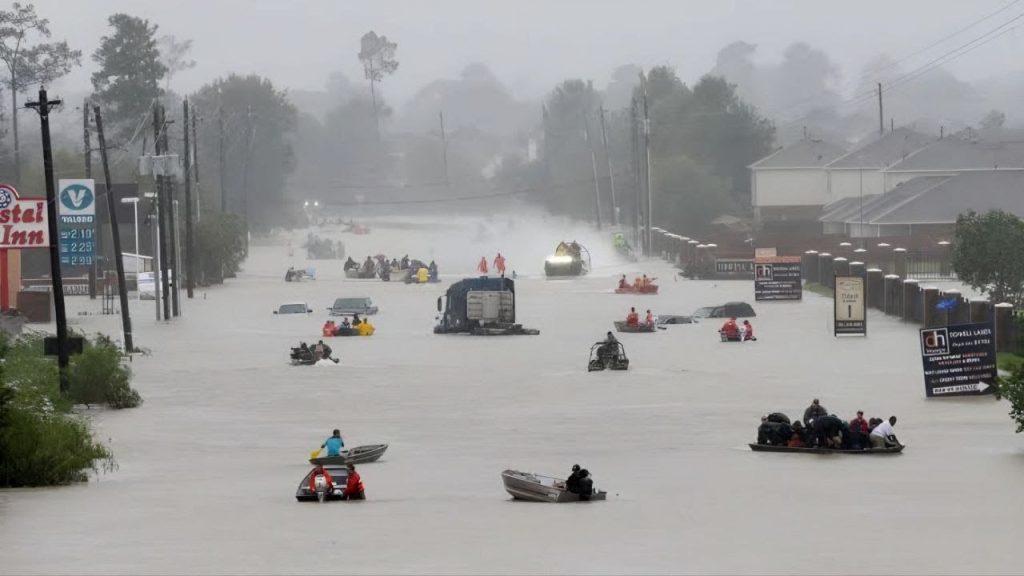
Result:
[[339, 475], [866, 451], [607, 356], [623, 326], [357, 455], [538, 488], [633, 289]]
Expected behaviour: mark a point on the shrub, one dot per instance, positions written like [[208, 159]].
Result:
[[44, 450], [99, 376], [1012, 389]]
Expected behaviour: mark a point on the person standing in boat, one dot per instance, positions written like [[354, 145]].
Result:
[[586, 486], [572, 483], [354, 485], [334, 444], [813, 411], [884, 436]]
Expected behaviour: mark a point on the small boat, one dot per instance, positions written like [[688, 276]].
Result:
[[630, 289], [357, 455], [622, 326], [537, 488], [339, 475], [776, 448]]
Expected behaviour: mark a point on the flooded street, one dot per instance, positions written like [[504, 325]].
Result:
[[208, 466]]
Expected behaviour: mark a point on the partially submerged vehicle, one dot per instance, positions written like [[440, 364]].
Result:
[[674, 319], [623, 326], [293, 308], [569, 259], [322, 490], [539, 488], [358, 455], [606, 355], [482, 306], [865, 451], [727, 310], [293, 275], [348, 306]]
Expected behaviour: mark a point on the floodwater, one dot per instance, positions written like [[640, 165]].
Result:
[[209, 464]]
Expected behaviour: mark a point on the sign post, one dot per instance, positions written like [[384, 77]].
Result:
[[850, 314], [777, 278], [959, 360]]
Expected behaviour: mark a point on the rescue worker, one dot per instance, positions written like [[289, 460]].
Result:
[[334, 443], [572, 483], [632, 319], [499, 264], [422, 275], [325, 351], [328, 481], [365, 328], [586, 485], [482, 267], [748, 330], [354, 485], [623, 283], [649, 320], [610, 347], [329, 328], [730, 330], [432, 271]]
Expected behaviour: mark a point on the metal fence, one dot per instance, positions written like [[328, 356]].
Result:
[[929, 266]]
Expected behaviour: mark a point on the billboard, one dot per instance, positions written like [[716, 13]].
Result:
[[959, 360], [777, 278], [23, 222], [849, 306], [76, 217]]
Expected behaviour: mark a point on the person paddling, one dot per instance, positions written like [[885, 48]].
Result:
[[334, 444]]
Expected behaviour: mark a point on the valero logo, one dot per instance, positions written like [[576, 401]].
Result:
[[76, 198]]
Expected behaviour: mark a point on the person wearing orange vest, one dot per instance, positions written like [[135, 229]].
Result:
[[320, 471], [730, 329], [482, 267], [354, 486], [632, 319], [650, 319], [499, 264], [329, 328]]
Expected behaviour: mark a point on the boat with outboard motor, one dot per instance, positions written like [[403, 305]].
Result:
[[358, 455], [623, 326], [872, 451], [323, 489], [539, 488]]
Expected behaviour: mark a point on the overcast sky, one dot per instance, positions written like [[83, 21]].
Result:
[[532, 44]]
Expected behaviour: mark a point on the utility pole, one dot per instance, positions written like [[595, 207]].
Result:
[[611, 175], [87, 151], [637, 177], [171, 193], [647, 158], [195, 167], [593, 166], [115, 233], [881, 115], [162, 210], [249, 129], [220, 156], [43, 106], [189, 255], [444, 150]]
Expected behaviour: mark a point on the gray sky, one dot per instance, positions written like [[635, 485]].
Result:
[[532, 44]]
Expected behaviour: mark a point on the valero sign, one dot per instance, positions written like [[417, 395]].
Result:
[[22, 221]]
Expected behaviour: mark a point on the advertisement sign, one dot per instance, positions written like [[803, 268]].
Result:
[[76, 215], [959, 360], [23, 221], [850, 312], [765, 253], [777, 278], [734, 267]]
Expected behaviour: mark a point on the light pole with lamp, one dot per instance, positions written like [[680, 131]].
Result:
[[134, 201]]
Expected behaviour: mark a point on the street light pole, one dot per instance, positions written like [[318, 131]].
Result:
[[134, 201], [43, 106]]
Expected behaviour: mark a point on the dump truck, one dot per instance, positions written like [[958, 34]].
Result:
[[480, 306]]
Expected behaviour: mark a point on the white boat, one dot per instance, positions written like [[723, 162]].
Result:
[[538, 488]]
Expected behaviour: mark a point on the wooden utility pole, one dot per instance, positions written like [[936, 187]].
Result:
[[637, 176], [43, 107], [593, 166], [647, 161], [881, 115], [249, 133], [163, 209], [220, 156], [195, 167], [189, 255], [444, 150], [115, 234], [87, 151], [611, 175]]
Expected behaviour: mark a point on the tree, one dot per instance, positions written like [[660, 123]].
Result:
[[994, 120], [130, 70], [687, 196], [174, 57], [987, 256], [377, 55], [1012, 389], [29, 64]]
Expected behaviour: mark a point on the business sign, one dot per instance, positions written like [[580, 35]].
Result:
[[23, 221], [76, 210], [959, 360], [777, 278], [765, 253], [734, 267], [850, 312]]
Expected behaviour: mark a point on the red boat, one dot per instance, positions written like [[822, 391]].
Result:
[[630, 289]]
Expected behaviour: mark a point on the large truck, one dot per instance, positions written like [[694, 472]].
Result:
[[480, 306]]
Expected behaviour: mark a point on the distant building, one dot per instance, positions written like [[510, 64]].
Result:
[[861, 172], [792, 183]]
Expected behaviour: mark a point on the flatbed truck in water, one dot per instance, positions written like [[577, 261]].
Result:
[[481, 306]]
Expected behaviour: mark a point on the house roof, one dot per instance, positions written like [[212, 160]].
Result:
[[876, 205], [883, 151], [956, 155], [806, 153], [977, 191]]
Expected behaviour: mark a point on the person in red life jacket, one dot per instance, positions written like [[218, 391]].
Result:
[[482, 267], [730, 329], [632, 319], [649, 320], [623, 283], [354, 486], [748, 330], [329, 328], [499, 264], [319, 471], [859, 431]]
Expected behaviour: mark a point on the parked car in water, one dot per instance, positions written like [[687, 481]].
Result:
[[349, 306], [727, 310], [294, 308]]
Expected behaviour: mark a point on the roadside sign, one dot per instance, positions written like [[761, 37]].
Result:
[[777, 278], [76, 209], [850, 313], [23, 221], [959, 360]]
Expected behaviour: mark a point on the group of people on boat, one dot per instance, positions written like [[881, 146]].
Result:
[[361, 327], [383, 268], [640, 283], [313, 354], [819, 429], [293, 275], [633, 318], [354, 489], [737, 332], [580, 483]]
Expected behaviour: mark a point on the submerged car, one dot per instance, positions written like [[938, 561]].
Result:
[[727, 310], [348, 306], [294, 308]]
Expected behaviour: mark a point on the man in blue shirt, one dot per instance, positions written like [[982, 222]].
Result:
[[334, 444]]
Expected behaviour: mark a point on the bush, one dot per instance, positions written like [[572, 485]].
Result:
[[44, 450], [100, 376], [1012, 389]]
